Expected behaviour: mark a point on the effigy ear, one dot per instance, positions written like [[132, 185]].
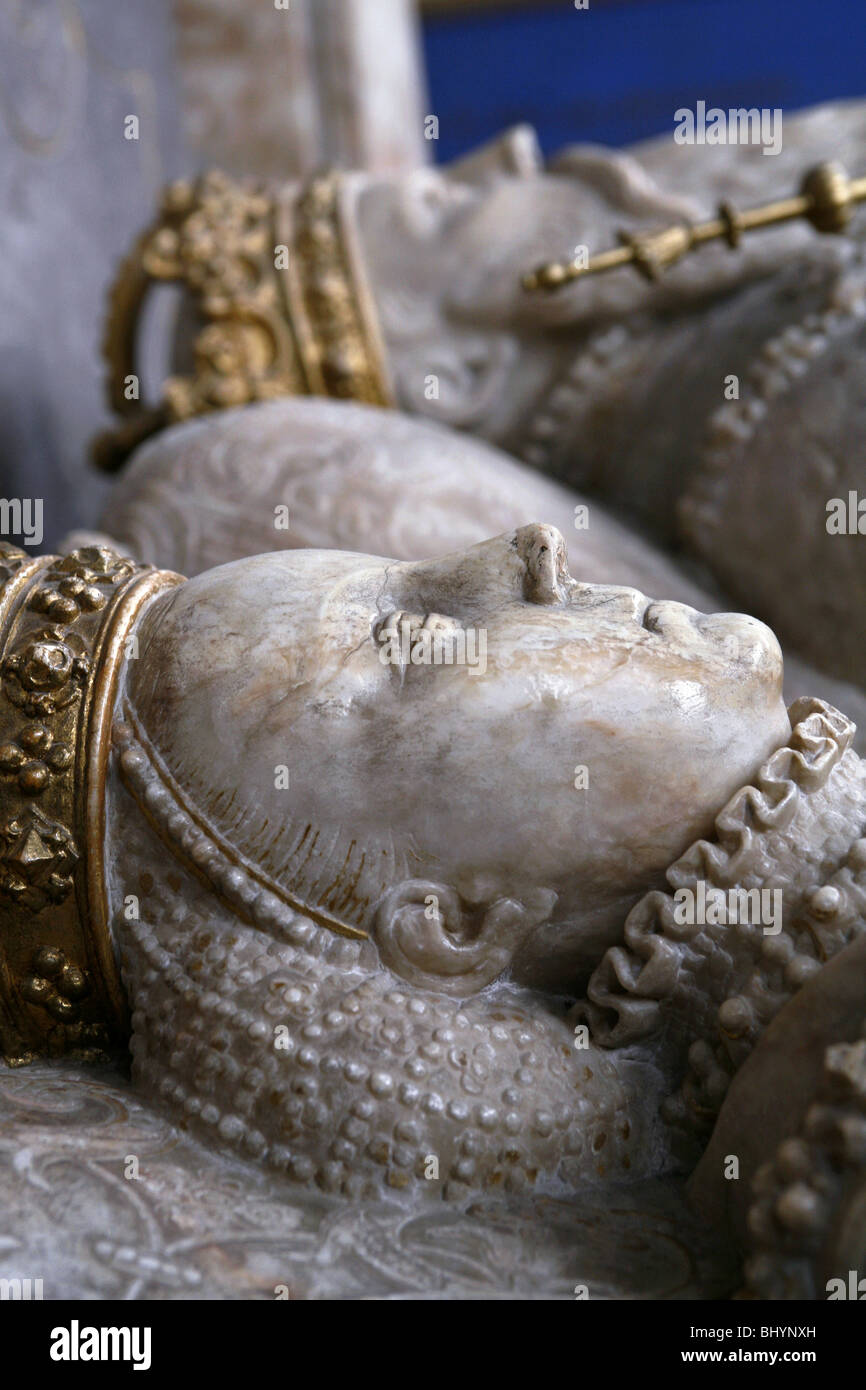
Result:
[[428, 935]]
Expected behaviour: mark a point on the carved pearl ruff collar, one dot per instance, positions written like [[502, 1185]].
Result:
[[712, 989]]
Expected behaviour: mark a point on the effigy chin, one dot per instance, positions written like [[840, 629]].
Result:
[[473, 931]]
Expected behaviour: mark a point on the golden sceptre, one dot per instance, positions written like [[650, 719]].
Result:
[[827, 199]]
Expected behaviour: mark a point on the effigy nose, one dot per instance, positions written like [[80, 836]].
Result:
[[542, 549]]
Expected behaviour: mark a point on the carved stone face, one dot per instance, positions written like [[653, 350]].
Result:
[[470, 814], [445, 255], [448, 292]]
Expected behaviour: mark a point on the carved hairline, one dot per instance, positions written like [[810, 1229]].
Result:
[[252, 893]]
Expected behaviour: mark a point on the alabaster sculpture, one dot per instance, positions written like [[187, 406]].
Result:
[[340, 475], [686, 403], [449, 897], [404, 916]]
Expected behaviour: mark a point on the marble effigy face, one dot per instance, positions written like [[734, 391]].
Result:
[[336, 475], [454, 766], [384, 882]]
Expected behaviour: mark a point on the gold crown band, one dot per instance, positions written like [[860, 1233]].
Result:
[[64, 625], [280, 297], [326, 296]]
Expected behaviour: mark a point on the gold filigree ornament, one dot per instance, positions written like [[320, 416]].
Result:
[[64, 624], [278, 304]]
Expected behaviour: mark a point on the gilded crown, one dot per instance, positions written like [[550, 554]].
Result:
[[277, 290], [65, 625]]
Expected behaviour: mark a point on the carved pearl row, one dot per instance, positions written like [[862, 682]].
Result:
[[831, 917], [370, 1110], [797, 1220], [553, 424], [778, 369], [253, 897], [402, 1109]]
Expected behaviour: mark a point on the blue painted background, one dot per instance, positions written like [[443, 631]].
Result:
[[618, 71]]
